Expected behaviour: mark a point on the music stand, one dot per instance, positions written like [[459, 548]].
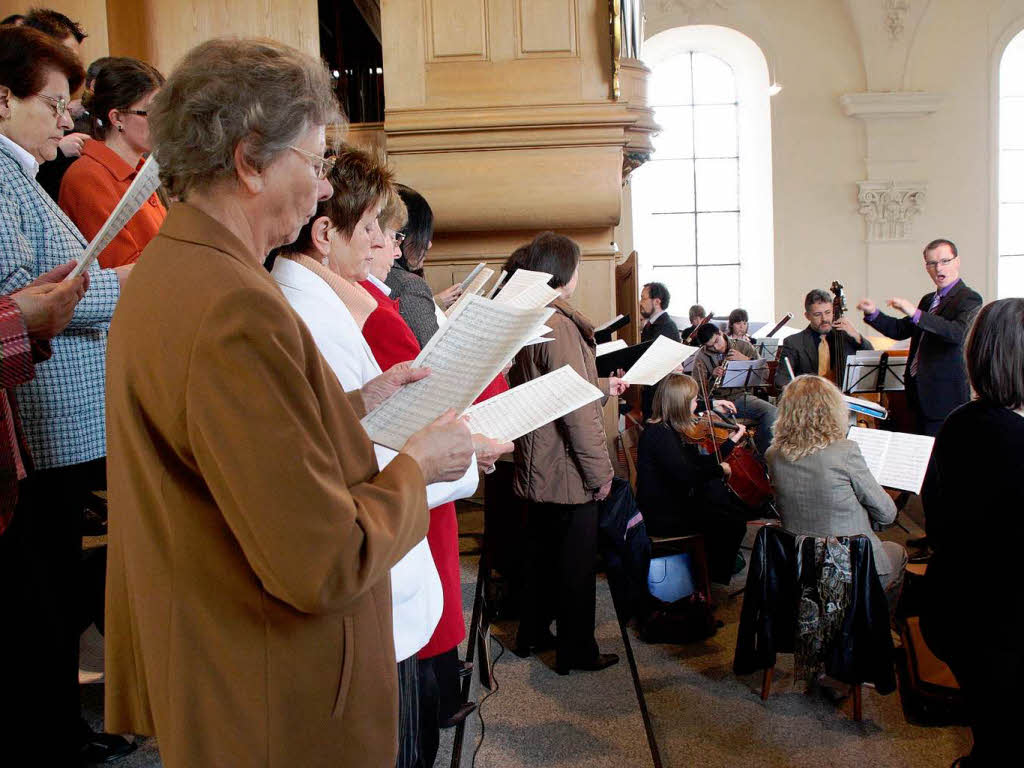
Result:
[[744, 374], [768, 348], [885, 375]]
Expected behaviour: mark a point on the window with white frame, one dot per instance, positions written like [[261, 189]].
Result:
[[702, 205], [1011, 170]]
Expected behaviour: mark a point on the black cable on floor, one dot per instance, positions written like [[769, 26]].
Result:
[[494, 690]]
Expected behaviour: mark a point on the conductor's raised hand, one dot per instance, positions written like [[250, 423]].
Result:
[[488, 450], [904, 306], [443, 449], [379, 389], [867, 306]]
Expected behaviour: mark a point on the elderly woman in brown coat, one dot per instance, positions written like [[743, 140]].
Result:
[[251, 530], [562, 470]]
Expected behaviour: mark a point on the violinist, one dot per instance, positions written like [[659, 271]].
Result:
[[823, 346], [709, 367], [680, 489], [697, 316]]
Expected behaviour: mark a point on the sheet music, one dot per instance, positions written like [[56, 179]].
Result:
[[468, 279], [523, 409], [521, 280], [610, 323], [896, 459], [142, 188], [736, 374], [660, 359], [534, 296], [610, 346], [473, 289], [478, 341], [497, 284]]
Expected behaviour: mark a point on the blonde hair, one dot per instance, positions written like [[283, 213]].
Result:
[[672, 401], [394, 214], [812, 416]]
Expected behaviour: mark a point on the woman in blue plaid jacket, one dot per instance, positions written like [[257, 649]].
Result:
[[62, 408]]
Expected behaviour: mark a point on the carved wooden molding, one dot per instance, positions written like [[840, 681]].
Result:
[[889, 207], [437, 50]]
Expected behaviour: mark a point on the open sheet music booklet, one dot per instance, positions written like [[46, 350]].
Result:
[[474, 287], [529, 406], [660, 359], [142, 188], [896, 459], [479, 339], [527, 288]]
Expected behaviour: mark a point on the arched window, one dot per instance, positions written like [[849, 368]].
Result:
[[1011, 169], [702, 207]]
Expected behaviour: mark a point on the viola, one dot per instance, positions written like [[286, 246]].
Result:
[[747, 479]]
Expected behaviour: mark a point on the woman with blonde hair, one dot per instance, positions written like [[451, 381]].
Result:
[[679, 488], [822, 483]]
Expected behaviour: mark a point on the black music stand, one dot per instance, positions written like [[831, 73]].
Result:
[[881, 372]]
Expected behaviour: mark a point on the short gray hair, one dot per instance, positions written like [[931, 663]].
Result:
[[816, 296], [226, 90]]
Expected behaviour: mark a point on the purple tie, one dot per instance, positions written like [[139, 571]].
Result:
[[931, 310]]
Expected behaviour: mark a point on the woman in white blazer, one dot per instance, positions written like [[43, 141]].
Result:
[[318, 275]]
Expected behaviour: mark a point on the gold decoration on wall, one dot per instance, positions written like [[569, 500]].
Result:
[[615, 31]]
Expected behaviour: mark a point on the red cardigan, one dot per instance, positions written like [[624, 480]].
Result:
[[392, 341]]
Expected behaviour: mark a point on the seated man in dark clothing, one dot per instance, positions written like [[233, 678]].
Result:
[[680, 490], [654, 300]]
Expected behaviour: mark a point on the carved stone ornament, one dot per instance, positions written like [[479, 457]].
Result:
[[632, 160], [888, 208], [689, 8], [895, 17]]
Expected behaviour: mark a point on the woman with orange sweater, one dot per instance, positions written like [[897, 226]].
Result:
[[95, 182]]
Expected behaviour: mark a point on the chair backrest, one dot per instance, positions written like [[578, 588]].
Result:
[[629, 440], [768, 623]]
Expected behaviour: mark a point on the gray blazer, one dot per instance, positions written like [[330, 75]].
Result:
[[415, 302], [831, 493]]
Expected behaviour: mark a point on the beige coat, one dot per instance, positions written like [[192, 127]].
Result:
[[565, 461], [251, 534]]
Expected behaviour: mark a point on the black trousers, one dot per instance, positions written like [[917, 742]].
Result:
[[40, 562], [408, 714], [990, 680], [561, 579], [439, 697]]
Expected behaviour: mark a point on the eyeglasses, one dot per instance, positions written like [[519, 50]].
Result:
[[58, 103], [139, 112], [399, 238], [930, 265], [321, 165]]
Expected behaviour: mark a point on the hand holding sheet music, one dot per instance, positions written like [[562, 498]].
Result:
[[463, 356], [529, 406], [660, 359], [896, 459], [145, 184]]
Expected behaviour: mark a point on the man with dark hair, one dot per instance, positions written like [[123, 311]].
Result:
[[936, 379], [56, 25], [696, 314], [709, 364], [816, 350], [654, 300], [70, 34]]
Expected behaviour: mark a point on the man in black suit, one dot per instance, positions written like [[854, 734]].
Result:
[[936, 377], [654, 299], [815, 350]]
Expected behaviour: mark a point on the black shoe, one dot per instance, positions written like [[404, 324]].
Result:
[[599, 662], [105, 747], [460, 714], [523, 649]]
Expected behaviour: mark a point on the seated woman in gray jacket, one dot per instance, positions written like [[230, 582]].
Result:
[[822, 483]]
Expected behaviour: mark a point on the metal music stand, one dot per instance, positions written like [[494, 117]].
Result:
[[889, 375]]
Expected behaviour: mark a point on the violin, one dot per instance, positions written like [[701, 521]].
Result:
[[747, 479]]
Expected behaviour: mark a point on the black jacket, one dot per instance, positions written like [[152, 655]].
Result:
[[663, 326], [973, 499], [801, 349], [768, 622], [670, 475], [937, 340]]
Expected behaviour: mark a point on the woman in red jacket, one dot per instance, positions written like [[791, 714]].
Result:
[[391, 340], [96, 182]]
